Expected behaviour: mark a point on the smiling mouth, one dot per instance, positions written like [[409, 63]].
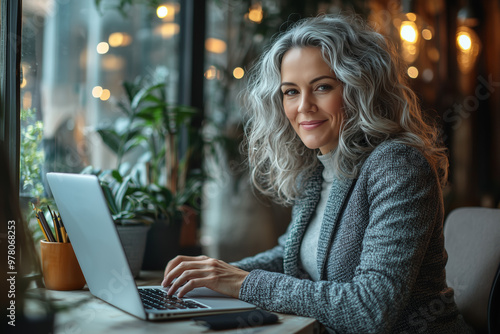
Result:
[[309, 125]]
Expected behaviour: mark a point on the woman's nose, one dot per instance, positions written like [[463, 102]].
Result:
[[307, 104]]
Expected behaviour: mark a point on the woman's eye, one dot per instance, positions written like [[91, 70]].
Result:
[[324, 87], [290, 92]]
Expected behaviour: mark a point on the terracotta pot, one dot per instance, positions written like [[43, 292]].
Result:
[[60, 267]]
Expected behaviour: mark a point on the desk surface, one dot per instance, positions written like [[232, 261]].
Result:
[[96, 316]]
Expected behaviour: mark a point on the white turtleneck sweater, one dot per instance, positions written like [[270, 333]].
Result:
[[309, 246]]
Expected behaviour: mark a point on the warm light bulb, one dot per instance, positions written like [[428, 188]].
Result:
[[117, 39], [215, 45], [255, 14], [167, 30], [238, 73], [468, 47], [464, 41], [211, 73], [97, 91], [411, 16], [408, 31], [102, 48], [427, 34], [105, 94], [412, 72], [162, 11]]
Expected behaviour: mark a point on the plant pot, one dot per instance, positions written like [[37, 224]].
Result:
[[133, 238], [162, 243]]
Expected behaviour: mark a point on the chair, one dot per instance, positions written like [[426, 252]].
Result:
[[494, 306], [472, 240]]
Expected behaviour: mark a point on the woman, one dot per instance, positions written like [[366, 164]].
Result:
[[334, 131]]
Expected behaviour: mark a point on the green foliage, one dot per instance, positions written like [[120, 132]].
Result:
[[156, 126], [160, 180], [130, 201], [32, 156]]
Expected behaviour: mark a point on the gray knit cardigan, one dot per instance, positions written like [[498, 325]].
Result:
[[381, 254]]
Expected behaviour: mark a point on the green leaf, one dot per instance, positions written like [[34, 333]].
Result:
[[126, 110], [122, 191], [116, 175], [90, 170], [111, 139], [139, 97], [98, 4], [108, 194], [152, 98], [131, 144], [131, 89], [153, 113]]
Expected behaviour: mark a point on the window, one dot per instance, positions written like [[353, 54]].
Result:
[[75, 57]]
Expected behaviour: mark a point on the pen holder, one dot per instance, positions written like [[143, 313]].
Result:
[[60, 267]]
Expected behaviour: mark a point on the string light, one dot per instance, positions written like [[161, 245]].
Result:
[[102, 48], [97, 91], [211, 73], [106, 94], [162, 11], [412, 72], [238, 73], [464, 41], [255, 13], [408, 31], [215, 45], [118, 39], [427, 34]]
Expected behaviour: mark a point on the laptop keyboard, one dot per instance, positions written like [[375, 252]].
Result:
[[158, 299]]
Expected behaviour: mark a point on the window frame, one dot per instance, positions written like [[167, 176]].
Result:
[[10, 85]]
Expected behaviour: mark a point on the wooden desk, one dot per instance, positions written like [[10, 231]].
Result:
[[95, 316]]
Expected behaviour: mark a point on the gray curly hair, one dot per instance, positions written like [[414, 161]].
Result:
[[378, 106]]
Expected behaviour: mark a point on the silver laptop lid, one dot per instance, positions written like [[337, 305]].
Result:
[[96, 243]]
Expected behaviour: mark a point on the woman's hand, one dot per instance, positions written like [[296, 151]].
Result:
[[202, 271]]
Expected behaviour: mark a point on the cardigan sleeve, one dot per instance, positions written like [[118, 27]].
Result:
[[270, 260], [404, 206]]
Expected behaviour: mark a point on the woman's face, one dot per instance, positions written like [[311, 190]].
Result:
[[312, 98]]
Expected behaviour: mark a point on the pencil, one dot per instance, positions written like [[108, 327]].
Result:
[[64, 235], [46, 226], [56, 225], [39, 223], [63, 229]]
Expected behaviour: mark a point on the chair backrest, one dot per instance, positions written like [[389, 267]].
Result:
[[472, 240], [494, 306]]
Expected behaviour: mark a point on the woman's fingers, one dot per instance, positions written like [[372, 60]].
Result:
[[182, 258], [176, 261], [193, 272], [192, 284], [188, 280], [177, 271]]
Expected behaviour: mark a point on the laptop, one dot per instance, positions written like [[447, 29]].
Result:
[[97, 247]]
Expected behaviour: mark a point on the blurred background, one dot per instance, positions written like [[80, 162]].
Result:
[[76, 56]]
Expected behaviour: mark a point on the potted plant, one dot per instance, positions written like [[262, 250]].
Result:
[[133, 207], [168, 187]]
